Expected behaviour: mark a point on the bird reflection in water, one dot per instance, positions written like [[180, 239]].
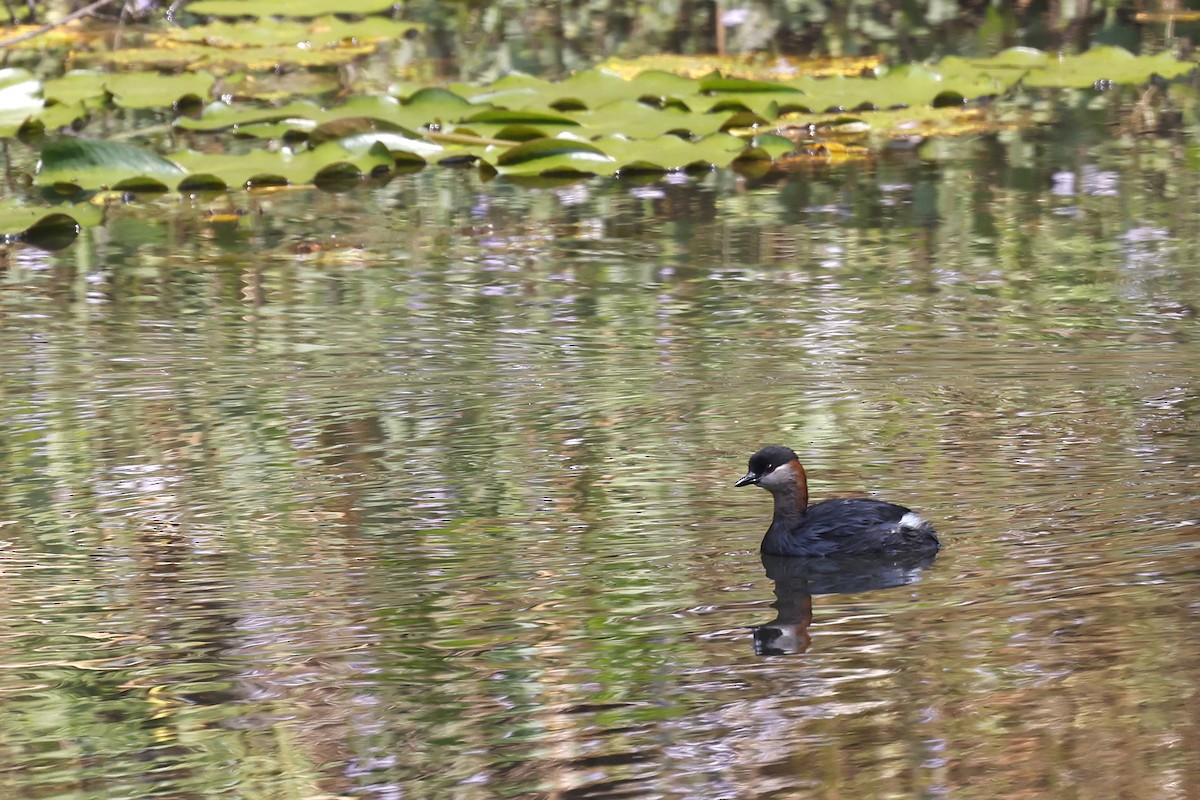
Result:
[[798, 579]]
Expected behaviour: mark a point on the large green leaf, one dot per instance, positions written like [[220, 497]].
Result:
[[550, 156], [17, 219], [403, 149], [91, 164], [283, 167]]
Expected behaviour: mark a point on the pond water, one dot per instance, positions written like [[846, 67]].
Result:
[[425, 489]]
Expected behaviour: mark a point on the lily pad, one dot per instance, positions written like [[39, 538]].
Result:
[[221, 116], [1106, 63], [152, 90], [287, 8], [553, 156], [185, 55], [672, 153], [17, 219], [638, 120], [77, 86], [280, 168], [327, 31], [92, 164], [403, 149], [716, 83]]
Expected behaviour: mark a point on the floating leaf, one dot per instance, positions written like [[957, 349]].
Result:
[[772, 145], [901, 123], [92, 164], [78, 87], [550, 156], [637, 119], [278, 86], [328, 31], [1009, 63], [429, 107], [287, 8], [500, 116], [277, 168], [16, 219], [221, 115], [152, 90], [403, 149], [911, 85], [1106, 63], [670, 152], [717, 83], [222, 60]]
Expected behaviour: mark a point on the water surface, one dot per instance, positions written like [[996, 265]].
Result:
[[425, 490]]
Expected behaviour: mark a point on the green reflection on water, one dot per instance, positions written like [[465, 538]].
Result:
[[426, 489]]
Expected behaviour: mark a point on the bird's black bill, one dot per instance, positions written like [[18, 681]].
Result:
[[746, 479]]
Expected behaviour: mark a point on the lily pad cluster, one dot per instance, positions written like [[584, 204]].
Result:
[[230, 120]]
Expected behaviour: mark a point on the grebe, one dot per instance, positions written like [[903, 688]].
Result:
[[833, 527]]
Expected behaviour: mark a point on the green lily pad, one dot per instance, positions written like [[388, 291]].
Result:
[[1106, 63], [634, 119], [36, 223], [500, 116], [1009, 64], [297, 127], [152, 90], [428, 107], [279, 168], [553, 156], [654, 83], [403, 149], [773, 145], [278, 86], [78, 86], [220, 116], [910, 85], [287, 8], [512, 85], [59, 115], [15, 220], [91, 164], [328, 31], [224, 60], [717, 83], [667, 153]]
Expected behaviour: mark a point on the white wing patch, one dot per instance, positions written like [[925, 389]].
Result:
[[912, 520]]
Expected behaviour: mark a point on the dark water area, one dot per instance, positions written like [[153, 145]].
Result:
[[425, 489]]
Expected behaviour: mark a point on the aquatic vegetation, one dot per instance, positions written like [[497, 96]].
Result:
[[224, 106]]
